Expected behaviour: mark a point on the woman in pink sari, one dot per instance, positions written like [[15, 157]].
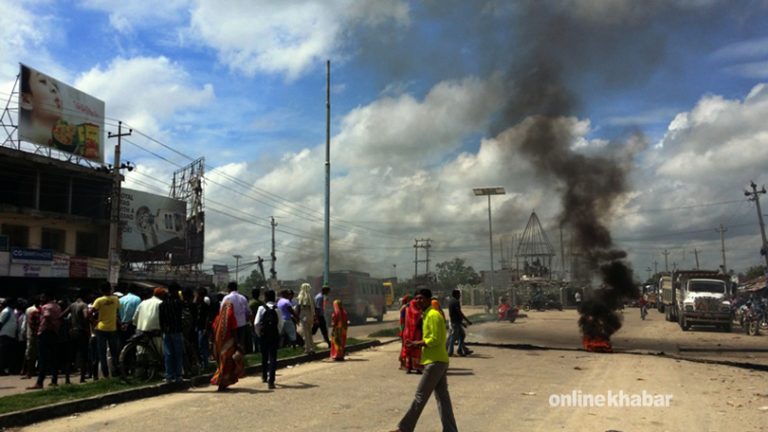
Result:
[[339, 322], [229, 355], [412, 332], [403, 308]]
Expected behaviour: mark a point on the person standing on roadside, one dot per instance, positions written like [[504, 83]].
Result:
[[435, 378], [106, 309], [47, 338], [268, 324], [8, 337], [253, 307], [128, 305], [321, 304], [288, 315], [306, 311], [172, 326], [202, 325], [240, 303], [79, 331], [32, 325]]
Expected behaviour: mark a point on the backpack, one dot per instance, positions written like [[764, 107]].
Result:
[[267, 327]]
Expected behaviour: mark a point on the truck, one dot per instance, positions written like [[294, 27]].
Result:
[[665, 293], [363, 296], [701, 297]]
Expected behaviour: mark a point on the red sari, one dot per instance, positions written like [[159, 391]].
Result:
[[412, 332], [230, 360], [339, 322]]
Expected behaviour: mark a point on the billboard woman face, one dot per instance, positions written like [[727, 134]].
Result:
[[43, 97]]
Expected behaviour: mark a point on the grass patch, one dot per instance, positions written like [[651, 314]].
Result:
[[62, 393], [390, 332], [482, 317]]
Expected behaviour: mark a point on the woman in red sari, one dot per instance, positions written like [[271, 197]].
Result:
[[339, 322], [412, 332], [229, 355]]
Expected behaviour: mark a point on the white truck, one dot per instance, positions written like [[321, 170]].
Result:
[[701, 297]]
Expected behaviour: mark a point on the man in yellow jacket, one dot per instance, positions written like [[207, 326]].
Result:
[[434, 357]]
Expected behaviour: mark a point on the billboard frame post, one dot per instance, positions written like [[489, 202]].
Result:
[[114, 216]]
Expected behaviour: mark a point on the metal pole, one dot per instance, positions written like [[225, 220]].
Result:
[[237, 267], [755, 196], [722, 231], [327, 233], [490, 236], [114, 219]]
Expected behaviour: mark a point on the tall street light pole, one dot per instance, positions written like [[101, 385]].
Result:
[[488, 192], [237, 267]]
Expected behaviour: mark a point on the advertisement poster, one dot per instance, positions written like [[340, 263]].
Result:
[[152, 223], [56, 115]]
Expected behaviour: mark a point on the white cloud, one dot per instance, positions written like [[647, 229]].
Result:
[[285, 37], [144, 91], [405, 133]]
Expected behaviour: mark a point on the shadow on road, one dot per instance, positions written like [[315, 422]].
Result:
[[298, 386]]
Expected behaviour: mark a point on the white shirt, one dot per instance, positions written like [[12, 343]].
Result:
[[147, 316], [260, 313], [8, 316]]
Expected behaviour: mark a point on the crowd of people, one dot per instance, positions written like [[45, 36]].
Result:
[[59, 335]]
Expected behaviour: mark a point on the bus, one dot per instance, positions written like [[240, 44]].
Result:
[[362, 295]]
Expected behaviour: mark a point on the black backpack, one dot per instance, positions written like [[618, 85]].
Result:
[[268, 323]]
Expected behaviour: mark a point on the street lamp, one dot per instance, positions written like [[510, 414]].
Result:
[[237, 267], [490, 191]]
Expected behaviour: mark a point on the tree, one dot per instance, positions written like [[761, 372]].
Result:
[[455, 272], [755, 271], [254, 280]]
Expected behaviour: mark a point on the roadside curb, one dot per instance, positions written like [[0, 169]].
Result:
[[63, 409]]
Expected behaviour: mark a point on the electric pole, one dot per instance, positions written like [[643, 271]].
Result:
[[114, 219], [722, 231], [666, 260], [272, 272], [696, 253], [755, 196], [237, 268]]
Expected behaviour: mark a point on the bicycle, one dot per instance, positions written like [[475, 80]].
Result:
[[142, 358]]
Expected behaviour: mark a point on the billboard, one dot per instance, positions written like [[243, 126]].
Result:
[[56, 115], [152, 223]]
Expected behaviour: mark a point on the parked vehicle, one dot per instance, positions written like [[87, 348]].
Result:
[[664, 305], [363, 296]]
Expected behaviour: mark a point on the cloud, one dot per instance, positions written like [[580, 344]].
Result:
[[404, 133], [125, 17], [25, 36], [144, 92], [285, 38]]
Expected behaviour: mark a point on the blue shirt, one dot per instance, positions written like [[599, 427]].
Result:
[[285, 307], [128, 305]]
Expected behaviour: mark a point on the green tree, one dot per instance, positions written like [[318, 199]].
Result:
[[455, 272], [755, 271], [254, 280]]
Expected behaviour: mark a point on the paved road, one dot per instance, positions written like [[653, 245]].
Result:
[[494, 390], [558, 329]]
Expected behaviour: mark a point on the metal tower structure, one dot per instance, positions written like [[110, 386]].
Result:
[[536, 250]]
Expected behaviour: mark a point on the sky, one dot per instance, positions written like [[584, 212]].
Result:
[[429, 99]]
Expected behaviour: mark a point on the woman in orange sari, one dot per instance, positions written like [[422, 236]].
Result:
[[340, 322], [412, 332], [229, 355]]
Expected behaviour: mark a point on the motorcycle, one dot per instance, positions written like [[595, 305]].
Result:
[[754, 317], [507, 312]]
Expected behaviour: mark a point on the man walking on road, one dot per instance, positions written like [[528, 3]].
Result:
[[434, 357], [321, 301], [457, 318], [268, 323]]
